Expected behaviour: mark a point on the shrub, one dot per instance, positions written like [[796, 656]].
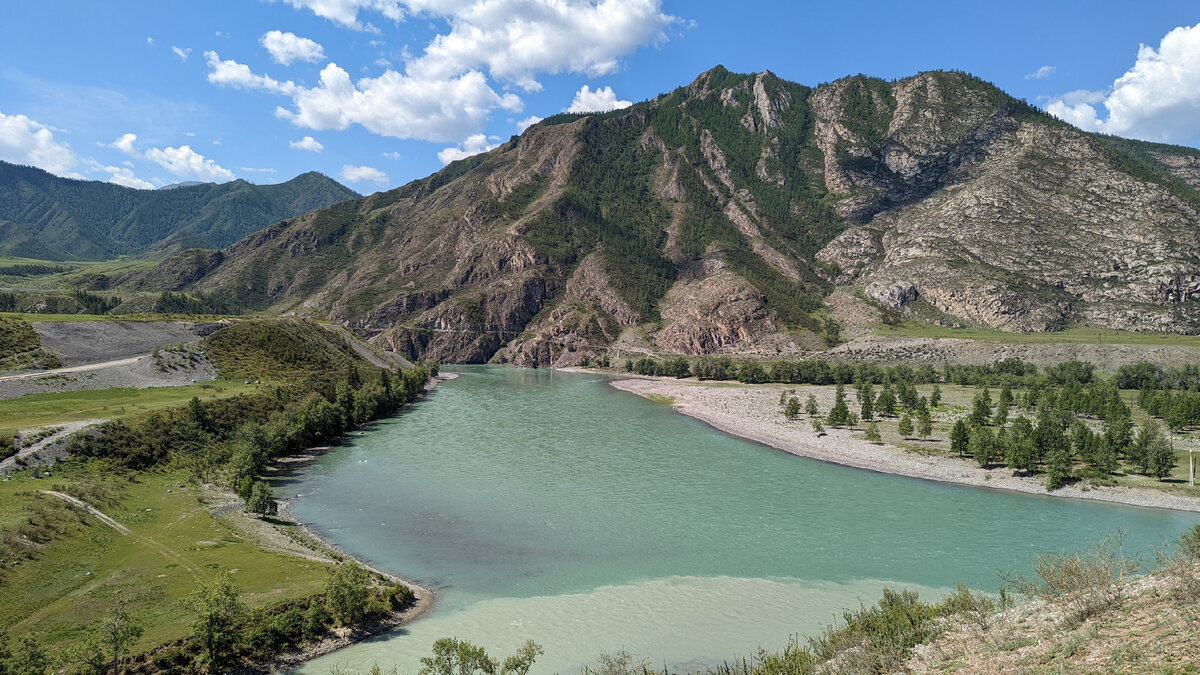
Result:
[[1084, 583]]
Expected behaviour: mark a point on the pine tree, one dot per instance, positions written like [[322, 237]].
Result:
[[866, 394], [792, 409], [960, 438], [810, 406], [906, 426], [982, 409], [839, 414], [872, 433], [983, 446], [924, 423], [935, 397], [885, 405], [1058, 467]]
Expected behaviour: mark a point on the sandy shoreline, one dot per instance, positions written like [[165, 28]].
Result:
[[752, 413]]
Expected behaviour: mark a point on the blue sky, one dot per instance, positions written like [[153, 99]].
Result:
[[376, 93]]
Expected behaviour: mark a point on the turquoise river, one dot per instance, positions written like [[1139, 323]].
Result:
[[548, 506]]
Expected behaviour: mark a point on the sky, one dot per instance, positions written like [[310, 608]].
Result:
[[376, 93]]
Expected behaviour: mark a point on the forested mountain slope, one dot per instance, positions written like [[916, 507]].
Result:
[[728, 215], [52, 218]]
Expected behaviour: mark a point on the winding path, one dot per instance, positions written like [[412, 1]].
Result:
[[89, 508]]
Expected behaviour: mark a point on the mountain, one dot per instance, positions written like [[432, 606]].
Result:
[[747, 214], [52, 218]]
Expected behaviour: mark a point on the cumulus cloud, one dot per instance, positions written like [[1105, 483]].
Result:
[[25, 141], [444, 92], [285, 48], [1041, 73], [524, 124], [125, 144], [307, 143], [360, 174], [600, 100], [187, 163], [474, 145], [121, 175], [398, 105], [345, 12], [230, 73], [516, 40], [182, 52], [1158, 99]]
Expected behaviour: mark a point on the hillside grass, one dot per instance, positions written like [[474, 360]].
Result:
[[35, 410], [1068, 336], [174, 543]]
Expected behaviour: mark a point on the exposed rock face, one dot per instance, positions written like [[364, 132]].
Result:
[[720, 217]]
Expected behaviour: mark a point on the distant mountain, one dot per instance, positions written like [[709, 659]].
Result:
[[185, 183], [746, 214], [45, 216]]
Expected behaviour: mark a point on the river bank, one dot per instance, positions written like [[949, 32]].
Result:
[[307, 543], [752, 412]]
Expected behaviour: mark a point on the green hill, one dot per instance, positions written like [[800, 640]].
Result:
[[51, 218]]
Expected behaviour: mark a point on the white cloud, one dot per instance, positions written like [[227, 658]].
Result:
[[1158, 99], [524, 124], [288, 47], [307, 143], [398, 105], [474, 145], [600, 100], [150, 41], [1041, 73], [239, 76], [516, 40], [187, 163], [359, 174], [124, 176], [392, 155], [182, 52], [125, 144], [24, 141], [345, 12]]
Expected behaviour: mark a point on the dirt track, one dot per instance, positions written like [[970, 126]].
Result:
[[82, 342]]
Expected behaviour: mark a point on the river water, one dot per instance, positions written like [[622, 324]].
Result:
[[548, 506]]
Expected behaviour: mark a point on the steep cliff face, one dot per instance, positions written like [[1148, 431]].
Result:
[[736, 215]]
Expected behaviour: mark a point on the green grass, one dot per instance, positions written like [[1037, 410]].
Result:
[[661, 398], [174, 544], [34, 410], [1068, 336]]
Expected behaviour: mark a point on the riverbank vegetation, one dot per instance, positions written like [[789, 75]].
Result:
[[165, 477], [1066, 422]]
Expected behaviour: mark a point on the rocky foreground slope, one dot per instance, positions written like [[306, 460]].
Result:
[[743, 213]]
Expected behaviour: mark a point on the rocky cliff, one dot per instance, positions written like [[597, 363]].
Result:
[[739, 214]]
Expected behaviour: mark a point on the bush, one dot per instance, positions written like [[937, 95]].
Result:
[[1083, 584]]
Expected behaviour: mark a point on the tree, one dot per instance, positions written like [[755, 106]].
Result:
[[117, 631], [886, 403], [872, 433], [1102, 458], [935, 397], [1048, 435], [810, 406], [924, 423], [522, 661], [983, 446], [906, 426], [1058, 466], [981, 410], [839, 414], [1151, 452], [452, 656], [261, 500], [219, 615], [1118, 424], [960, 438], [1006, 396], [866, 394], [792, 409], [817, 426], [1001, 417], [346, 594], [30, 658]]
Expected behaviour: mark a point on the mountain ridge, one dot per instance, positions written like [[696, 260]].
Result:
[[725, 216], [48, 217]]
